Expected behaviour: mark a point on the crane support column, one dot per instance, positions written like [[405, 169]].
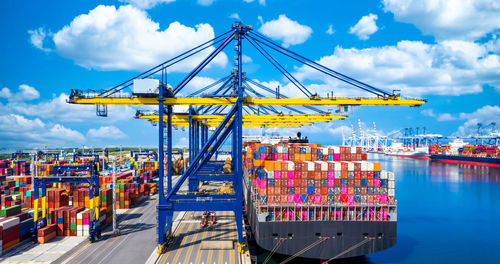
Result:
[[170, 214], [162, 215], [238, 156]]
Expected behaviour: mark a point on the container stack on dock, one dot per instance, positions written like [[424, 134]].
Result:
[[67, 207], [310, 182]]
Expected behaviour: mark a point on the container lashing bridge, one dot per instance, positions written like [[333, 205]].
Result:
[[227, 105]]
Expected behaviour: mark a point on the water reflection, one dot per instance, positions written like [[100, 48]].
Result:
[[440, 171]]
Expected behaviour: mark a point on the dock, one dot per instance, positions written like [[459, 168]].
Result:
[[192, 243]]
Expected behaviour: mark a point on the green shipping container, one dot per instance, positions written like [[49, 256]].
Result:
[[72, 227], [12, 210]]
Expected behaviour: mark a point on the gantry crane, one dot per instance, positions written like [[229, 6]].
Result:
[[229, 104]]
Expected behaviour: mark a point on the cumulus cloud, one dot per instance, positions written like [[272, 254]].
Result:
[[235, 16], [428, 112], [37, 37], [205, 2], [446, 117], [127, 39], [146, 4], [330, 30], [365, 27], [288, 31], [246, 59], [25, 93], [445, 68], [261, 2], [484, 116], [24, 132], [106, 132], [58, 109], [448, 19], [5, 93]]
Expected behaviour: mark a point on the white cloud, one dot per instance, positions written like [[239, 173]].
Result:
[[448, 19], [127, 39], [235, 16], [365, 27], [25, 93], [288, 31], [106, 132], [23, 132], [37, 37], [246, 59], [484, 115], [183, 142], [261, 2], [205, 2], [428, 112], [446, 117], [5, 93], [146, 4], [330, 30], [58, 109], [415, 68]]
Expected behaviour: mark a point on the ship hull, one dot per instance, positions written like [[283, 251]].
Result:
[[341, 235], [417, 156], [478, 161]]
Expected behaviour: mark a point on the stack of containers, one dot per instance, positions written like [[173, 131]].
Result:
[[107, 204], [47, 233], [308, 174], [73, 220], [10, 228], [83, 222]]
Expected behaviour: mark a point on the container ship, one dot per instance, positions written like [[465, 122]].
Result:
[[318, 202], [459, 152], [397, 149]]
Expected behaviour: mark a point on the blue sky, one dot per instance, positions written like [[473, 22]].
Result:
[[445, 51]]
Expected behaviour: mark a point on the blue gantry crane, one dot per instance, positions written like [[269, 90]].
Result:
[[227, 105]]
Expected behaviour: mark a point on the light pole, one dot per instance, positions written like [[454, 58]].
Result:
[[120, 160]]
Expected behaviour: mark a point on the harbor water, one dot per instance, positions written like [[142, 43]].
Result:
[[447, 213]]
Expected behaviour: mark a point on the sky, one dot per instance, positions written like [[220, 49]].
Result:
[[445, 51]]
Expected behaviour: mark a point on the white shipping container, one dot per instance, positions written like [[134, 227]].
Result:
[[337, 174], [6, 224], [336, 150], [391, 184], [350, 166], [308, 149], [353, 150], [390, 175], [364, 165], [391, 192], [383, 175], [270, 174], [16, 197], [371, 166]]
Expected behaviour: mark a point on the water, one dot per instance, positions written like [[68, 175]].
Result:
[[447, 213]]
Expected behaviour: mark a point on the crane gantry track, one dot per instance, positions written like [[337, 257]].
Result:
[[229, 104]]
